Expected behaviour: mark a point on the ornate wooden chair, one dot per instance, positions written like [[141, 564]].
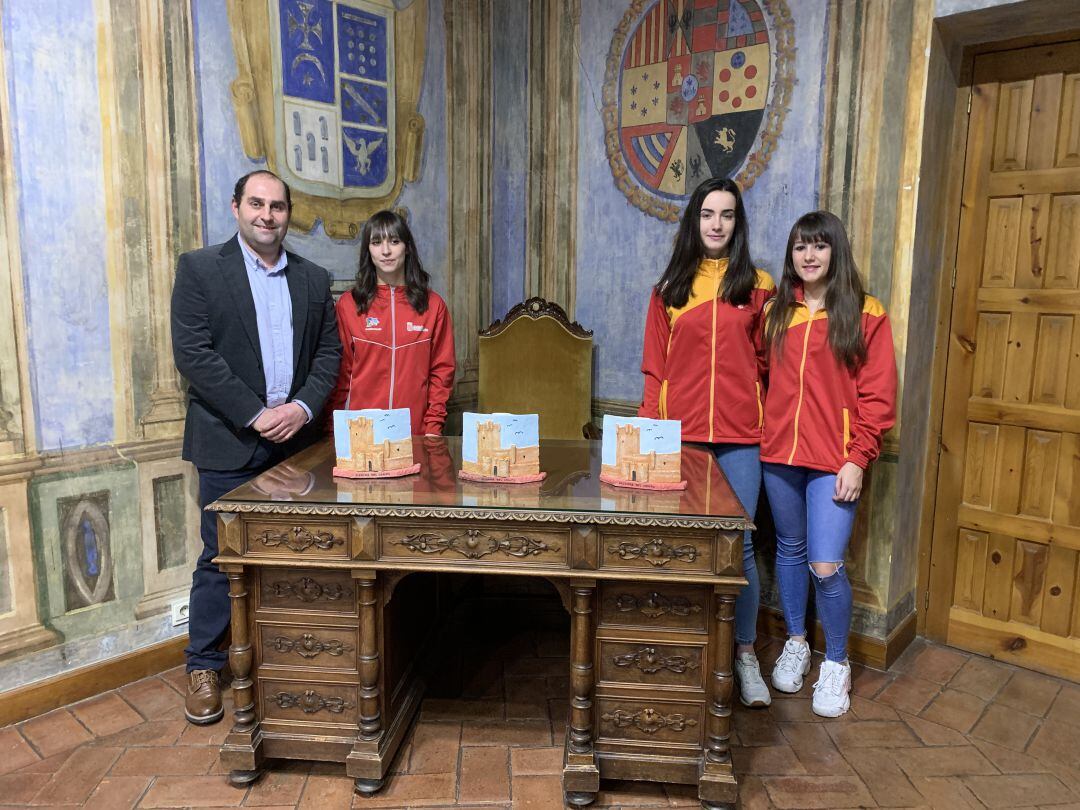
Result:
[[536, 361]]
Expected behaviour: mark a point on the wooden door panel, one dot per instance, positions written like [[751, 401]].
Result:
[[970, 570], [1013, 121], [1061, 583], [1063, 257], [1007, 523], [1052, 369], [1068, 151], [1029, 577], [1040, 474], [1002, 241], [992, 338]]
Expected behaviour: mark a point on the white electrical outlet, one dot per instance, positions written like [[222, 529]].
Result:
[[179, 611]]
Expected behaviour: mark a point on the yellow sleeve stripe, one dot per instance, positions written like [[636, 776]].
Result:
[[871, 306]]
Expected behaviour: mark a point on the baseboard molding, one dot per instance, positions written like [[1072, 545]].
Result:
[[78, 684], [871, 652]]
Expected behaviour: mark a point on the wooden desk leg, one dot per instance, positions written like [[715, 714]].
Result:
[[717, 787], [581, 776], [365, 757], [241, 746]]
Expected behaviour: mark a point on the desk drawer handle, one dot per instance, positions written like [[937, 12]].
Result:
[[307, 646], [299, 539], [656, 552], [656, 605], [475, 544], [307, 589], [311, 702], [649, 661], [649, 720]]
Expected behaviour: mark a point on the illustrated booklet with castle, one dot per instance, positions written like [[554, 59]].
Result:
[[642, 453], [500, 447], [373, 443]]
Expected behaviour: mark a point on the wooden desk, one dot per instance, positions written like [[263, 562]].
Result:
[[324, 659]]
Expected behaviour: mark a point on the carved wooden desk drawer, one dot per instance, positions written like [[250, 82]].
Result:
[[309, 702], [301, 589], [657, 552], [650, 720], [658, 605], [652, 664], [308, 646], [302, 538], [470, 545]]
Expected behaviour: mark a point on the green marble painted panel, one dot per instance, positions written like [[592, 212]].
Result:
[[170, 521], [51, 499]]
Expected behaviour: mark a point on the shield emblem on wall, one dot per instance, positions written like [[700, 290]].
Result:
[[334, 121], [327, 93], [695, 89]]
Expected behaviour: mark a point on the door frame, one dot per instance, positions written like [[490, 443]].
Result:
[[948, 103]]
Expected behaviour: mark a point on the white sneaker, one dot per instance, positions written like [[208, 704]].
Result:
[[752, 688], [793, 663], [831, 690]]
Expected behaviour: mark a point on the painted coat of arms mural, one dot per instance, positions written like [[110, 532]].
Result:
[[695, 89], [327, 93]]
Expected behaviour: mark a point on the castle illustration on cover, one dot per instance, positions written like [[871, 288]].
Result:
[[642, 453], [502, 447], [373, 444]]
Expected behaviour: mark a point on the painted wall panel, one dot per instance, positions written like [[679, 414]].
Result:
[[58, 164], [510, 155]]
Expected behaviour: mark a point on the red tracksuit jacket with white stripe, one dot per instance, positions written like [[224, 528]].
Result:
[[818, 413], [703, 363], [394, 357]]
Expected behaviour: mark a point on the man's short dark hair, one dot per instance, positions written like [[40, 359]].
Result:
[[241, 184]]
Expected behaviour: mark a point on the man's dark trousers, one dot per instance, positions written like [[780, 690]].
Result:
[[208, 618]]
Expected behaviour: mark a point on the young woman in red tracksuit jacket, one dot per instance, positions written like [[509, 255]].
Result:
[[703, 363], [832, 395], [396, 336]]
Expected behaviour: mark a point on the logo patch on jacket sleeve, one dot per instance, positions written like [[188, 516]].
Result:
[[415, 327], [371, 323]]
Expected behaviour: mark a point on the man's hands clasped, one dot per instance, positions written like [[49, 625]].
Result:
[[281, 423]]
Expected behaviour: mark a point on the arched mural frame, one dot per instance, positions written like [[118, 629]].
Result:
[[753, 166]]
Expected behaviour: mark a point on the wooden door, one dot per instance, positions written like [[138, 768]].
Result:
[[1004, 575]]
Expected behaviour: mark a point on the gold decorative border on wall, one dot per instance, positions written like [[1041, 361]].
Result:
[[253, 98]]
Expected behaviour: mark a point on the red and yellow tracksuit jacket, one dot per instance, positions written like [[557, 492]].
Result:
[[818, 413], [393, 357], [704, 362]]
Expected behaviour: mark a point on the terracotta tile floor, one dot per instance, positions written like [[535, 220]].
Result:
[[942, 729]]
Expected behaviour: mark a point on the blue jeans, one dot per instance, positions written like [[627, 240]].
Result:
[[741, 464], [208, 605], [811, 527]]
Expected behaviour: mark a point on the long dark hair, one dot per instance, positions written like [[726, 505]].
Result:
[[388, 225], [688, 251], [844, 293]]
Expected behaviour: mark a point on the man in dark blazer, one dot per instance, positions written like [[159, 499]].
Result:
[[255, 335]]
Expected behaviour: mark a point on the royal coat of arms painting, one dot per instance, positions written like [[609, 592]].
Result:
[[695, 89], [326, 92]]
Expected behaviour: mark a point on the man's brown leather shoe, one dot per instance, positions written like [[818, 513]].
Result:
[[203, 703]]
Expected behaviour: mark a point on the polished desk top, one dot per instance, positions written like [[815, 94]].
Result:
[[571, 491]]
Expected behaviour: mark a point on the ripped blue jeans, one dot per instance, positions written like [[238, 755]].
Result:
[[811, 527]]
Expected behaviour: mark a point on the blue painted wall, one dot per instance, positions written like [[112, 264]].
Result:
[[61, 212], [223, 158], [510, 154], [622, 251]]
